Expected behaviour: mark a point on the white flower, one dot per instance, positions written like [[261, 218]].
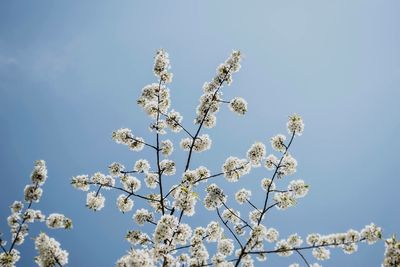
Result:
[[272, 235], [167, 147], [231, 215], [9, 259], [185, 200], [185, 143], [350, 248], [202, 143], [238, 105], [81, 182], [286, 249], [294, 240], [298, 188], [165, 228], [225, 246], [234, 168], [50, 252], [162, 65], [288, 166], [184, 231], [124, 203], [313, 239], [213, 231], [106, 181], [39, 173], [266, 185], [137, 237], [142, 215], [256, 153], [284, 200], [173, 121], [116, 168], [168, 167], [295, 124], [151, 180], [17, 206], [371, 233], [278, 142], [95, 202], [242, 195], [136, 258], [254, 216], [56, 220], [271, 162], [32, 193], [130, 183], [321, 253], [214, 198], [141, 165], [392, 252]]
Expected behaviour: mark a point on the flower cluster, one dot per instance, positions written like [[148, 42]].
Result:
[[50, 252], [22, 216], [392, 252]]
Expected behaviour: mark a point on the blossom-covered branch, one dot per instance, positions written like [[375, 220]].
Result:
[[168, 240], [20, 218]]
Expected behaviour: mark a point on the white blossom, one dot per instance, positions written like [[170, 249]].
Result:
[[131, 183], [267, 185], [284, 200], [32, 193], [17, 206], [278, 142], [167, 147], [213, 231], [56, 220], [124, 203], [256, 153], [168, 167], [234, 168], [271, 162], [116, 168], [9, 259], [81, 182], [371, 233], [295, 124], [392, 253], [151, 180], [238, 105], [95, 202], [298, 188], [162, 65], [321, 253], [272, 235], [143, 215], [136, 258], [141, 165], [242, 195], [225, 246], [50, 252], [214, 198], [39, 173], [173, 121]]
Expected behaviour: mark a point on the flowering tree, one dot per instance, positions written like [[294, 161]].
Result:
[[231, 239]]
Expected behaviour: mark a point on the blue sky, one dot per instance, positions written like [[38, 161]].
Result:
[[70, 73]]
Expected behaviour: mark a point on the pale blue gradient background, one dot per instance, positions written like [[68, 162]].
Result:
[[70, 73]]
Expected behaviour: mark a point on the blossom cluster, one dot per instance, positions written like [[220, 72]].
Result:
[[22, 216]]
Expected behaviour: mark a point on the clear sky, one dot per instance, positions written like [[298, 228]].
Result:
[[70, 73]]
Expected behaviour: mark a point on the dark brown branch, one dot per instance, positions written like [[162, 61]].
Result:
[[230, 230]]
